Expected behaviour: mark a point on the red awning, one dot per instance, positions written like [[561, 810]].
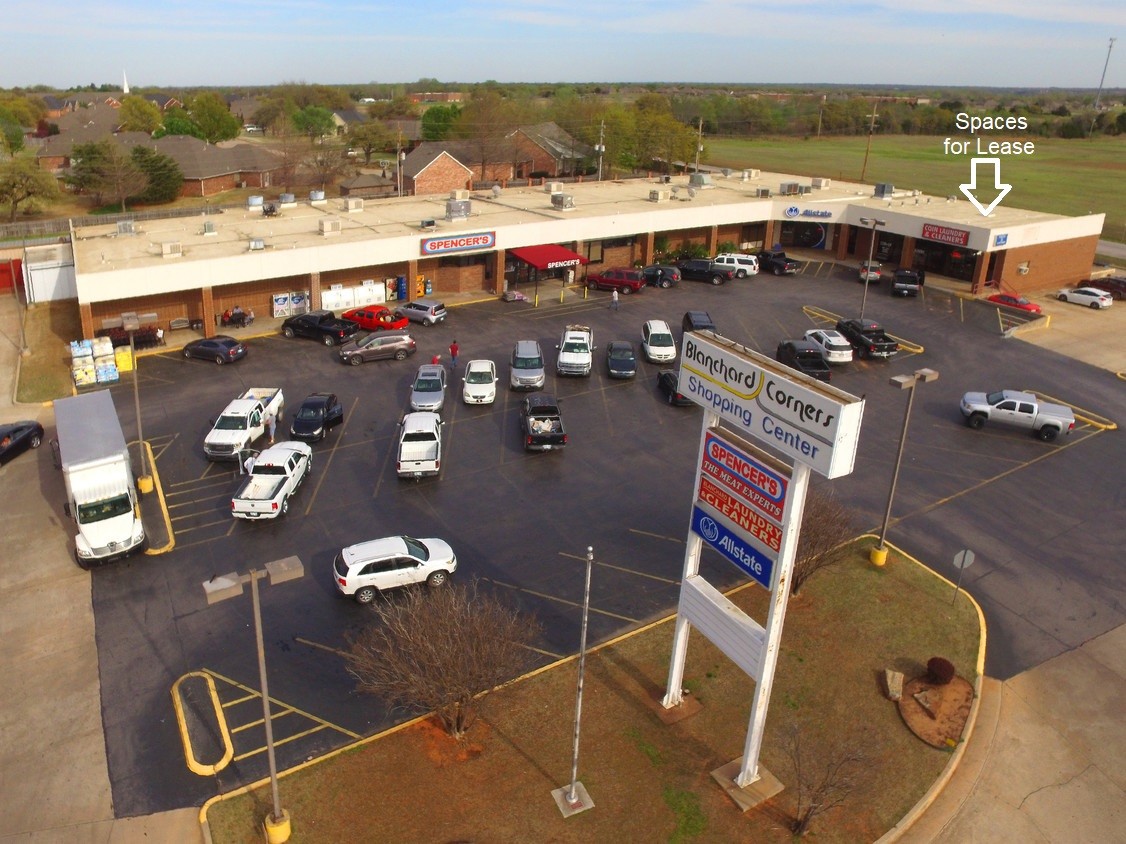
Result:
[[550, 256]]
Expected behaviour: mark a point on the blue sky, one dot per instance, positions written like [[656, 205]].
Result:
[[1009, 43]]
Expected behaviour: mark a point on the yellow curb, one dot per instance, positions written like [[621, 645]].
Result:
[[1103, 423], [163, 506]]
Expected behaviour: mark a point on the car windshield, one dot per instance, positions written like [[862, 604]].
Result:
[[311, 413], [100, 510], [231, 423], [419, 437], [479, 376], [416, 549], [427, 385], [621, 354], [268, 469], [573, 347], [660, 340], [529, 363]]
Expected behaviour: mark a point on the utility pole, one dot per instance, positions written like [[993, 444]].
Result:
[[871, 129], [820, 112], [1102, 79], [601, 148], [699, 143], [399, 162]]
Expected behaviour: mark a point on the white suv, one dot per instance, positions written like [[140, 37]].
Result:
[[657, 341], [368, 568], [744, 265]]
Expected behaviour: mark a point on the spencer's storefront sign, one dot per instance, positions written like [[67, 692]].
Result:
[[804, 419], [458, 243]]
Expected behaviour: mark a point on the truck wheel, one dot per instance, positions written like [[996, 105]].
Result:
[[976, 421], [401, 354], [356, 360], [328, 341], [365, 595], [625, 291], [284, 507], [741, 274], [592, 285], [288, 332], [777, 271], [665, 283], [1047, 433], [716, 280], [437, 578]]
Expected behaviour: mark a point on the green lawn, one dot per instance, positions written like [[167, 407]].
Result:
[[1063, 177]]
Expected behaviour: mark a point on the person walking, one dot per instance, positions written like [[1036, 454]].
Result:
[[454, 348], [437, 359], [614, 300], [272, 425]]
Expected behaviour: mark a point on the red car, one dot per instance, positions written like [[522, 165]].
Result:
[[376, 318], [622, 279], [1010, 301]]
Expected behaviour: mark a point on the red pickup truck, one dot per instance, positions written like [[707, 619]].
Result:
[[622, 279]]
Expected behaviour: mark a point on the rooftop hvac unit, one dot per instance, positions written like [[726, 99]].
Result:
[[458, 209], [330, 227], [257, 244], [821, 184], [316, 196], [884, 190], [752, 174], [253, 202], [562, 201], [660, 195], [553, 187], [762, 193], [208, 227], [287, 199], [459, 195], [354, 203], [428, 225], [171, 249], [789, 189], [804, 189], [700, 180], [126, 227]]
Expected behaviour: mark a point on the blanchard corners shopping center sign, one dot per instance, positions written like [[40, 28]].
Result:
[[809, 421]]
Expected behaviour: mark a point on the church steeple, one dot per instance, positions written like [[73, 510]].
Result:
[[124, 83]]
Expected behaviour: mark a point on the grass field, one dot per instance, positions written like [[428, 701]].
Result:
[[1062, 177]]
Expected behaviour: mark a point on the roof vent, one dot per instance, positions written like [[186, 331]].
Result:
[[553, 187], [209, 227], [562, 201], [459, 195], [458, 209], [330, 227], [257, 244], [171, 249], [700, 180], [126, 227], [660, 195], [354, 203]]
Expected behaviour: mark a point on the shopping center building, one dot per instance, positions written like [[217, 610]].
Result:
[[333, 253]]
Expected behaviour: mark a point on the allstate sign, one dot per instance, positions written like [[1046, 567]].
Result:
[[735, 548]]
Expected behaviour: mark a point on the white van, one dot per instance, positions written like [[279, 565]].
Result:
[[744, 265]]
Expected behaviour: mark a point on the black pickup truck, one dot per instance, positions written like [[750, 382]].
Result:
[[543, 426], [703, 269], [775, 261], [868, 338], [324, 326]]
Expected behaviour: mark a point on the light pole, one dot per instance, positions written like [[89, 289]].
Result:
[[573, 799], [131, 322], [221, 587], [879, 554], [874, 223]]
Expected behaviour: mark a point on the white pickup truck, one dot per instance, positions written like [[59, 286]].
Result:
[[274, 476], [1023, 410], [420, 445], [576, 351], [242, 422]]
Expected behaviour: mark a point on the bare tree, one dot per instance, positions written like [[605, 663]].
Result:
[[326, 162], [120, 175], [440, 649], [821, 783], [826, 526]]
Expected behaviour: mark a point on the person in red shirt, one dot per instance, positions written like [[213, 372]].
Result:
[[437, 359], [453, 354]]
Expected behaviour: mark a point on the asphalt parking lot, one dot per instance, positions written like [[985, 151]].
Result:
[[1046, 569]]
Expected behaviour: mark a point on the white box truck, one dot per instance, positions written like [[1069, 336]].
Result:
[[101, 496]]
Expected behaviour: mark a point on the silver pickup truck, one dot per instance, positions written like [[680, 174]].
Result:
[[420, 445], [1022, 410], [274, 477]]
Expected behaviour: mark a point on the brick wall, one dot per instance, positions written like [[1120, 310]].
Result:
[[533, 157], [467, 279], [442, 176], [1050, 265]]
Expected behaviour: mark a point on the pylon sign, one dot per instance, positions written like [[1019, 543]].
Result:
[[748, 503]]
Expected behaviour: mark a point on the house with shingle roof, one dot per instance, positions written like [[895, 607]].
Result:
[[545, 149]]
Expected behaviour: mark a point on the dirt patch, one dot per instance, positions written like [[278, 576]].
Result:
[[937, 714]]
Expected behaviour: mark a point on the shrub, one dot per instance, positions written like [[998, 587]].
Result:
[[940, 671]]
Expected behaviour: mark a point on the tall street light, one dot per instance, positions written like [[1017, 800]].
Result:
[[874, 223], [879, 554], [223, 586]]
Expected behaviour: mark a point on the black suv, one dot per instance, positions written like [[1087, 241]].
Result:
[[1115, 286], [704, 269], [697, 321]]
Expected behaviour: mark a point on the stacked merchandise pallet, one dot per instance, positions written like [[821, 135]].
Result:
[[93, 362]]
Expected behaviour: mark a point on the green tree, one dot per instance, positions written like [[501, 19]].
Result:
[[86, 162], [486, 121], [163, 174], [212, 115], [271, 115], [437, 122], [12, 134], [139, 115], [22, 181], [369, 138], [103, 168], [177, 125], [314, 121]]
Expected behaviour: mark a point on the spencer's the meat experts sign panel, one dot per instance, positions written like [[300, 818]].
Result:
[[807, 420]]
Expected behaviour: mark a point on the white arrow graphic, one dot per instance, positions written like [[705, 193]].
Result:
[[972, 186]]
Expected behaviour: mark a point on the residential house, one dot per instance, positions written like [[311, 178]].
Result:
[[547, 150]]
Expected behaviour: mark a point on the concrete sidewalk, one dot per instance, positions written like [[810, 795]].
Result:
[[1042, 765]]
